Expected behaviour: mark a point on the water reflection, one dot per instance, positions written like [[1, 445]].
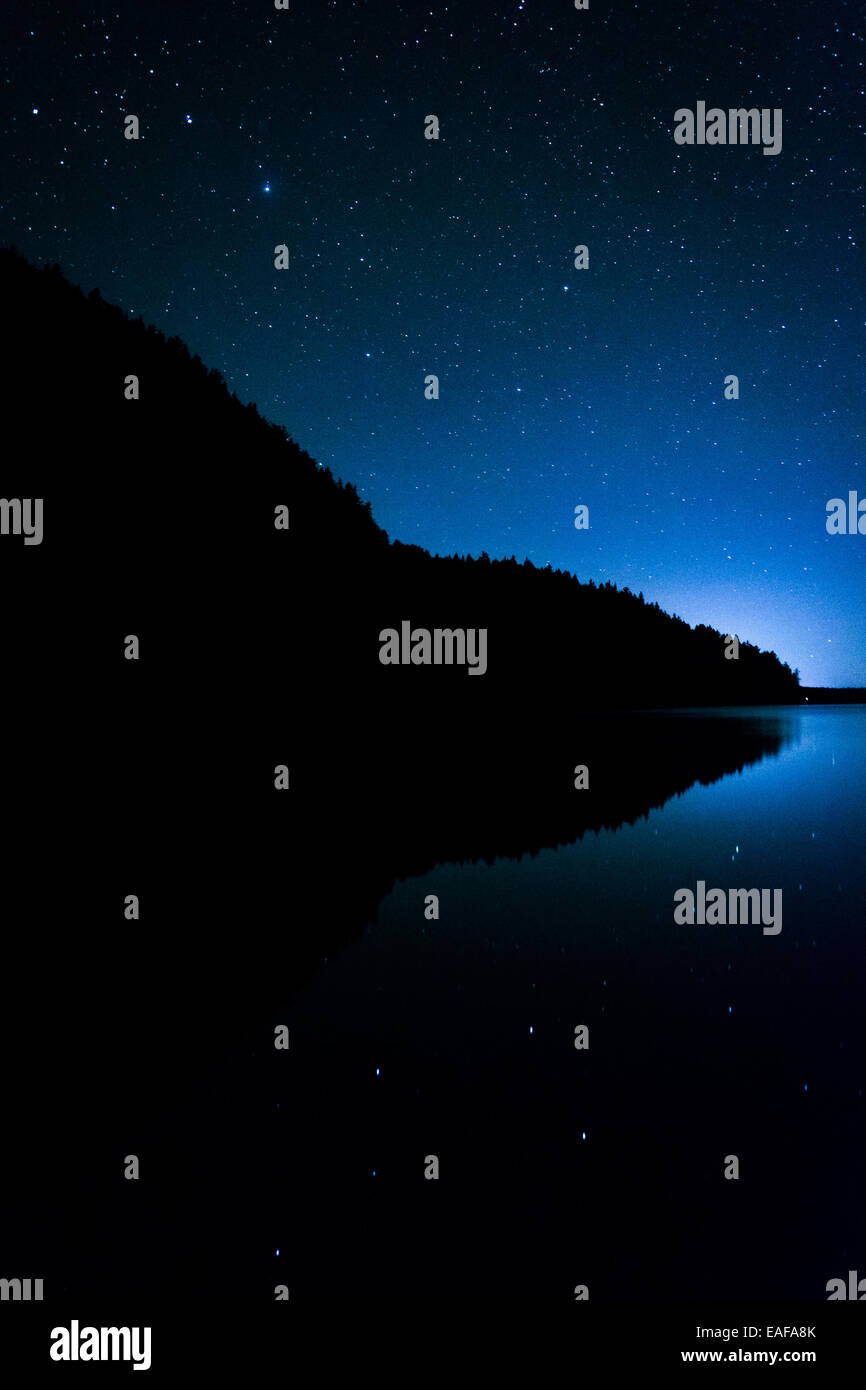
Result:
[[604, 1165]]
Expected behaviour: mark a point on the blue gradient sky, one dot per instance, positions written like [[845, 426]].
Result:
[[455, 257]]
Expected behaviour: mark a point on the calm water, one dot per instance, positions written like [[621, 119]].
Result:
[[603, 1167]]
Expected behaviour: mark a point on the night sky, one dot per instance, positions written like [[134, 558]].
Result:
[[454, 256]]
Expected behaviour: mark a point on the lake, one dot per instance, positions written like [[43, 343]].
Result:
[[602, 1166]]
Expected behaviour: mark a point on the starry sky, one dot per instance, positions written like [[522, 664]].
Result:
[[455, 257]]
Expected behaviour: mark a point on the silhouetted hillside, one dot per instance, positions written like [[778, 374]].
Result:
[[155, 777], [188, 460], [833, 695], [261, 647]]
